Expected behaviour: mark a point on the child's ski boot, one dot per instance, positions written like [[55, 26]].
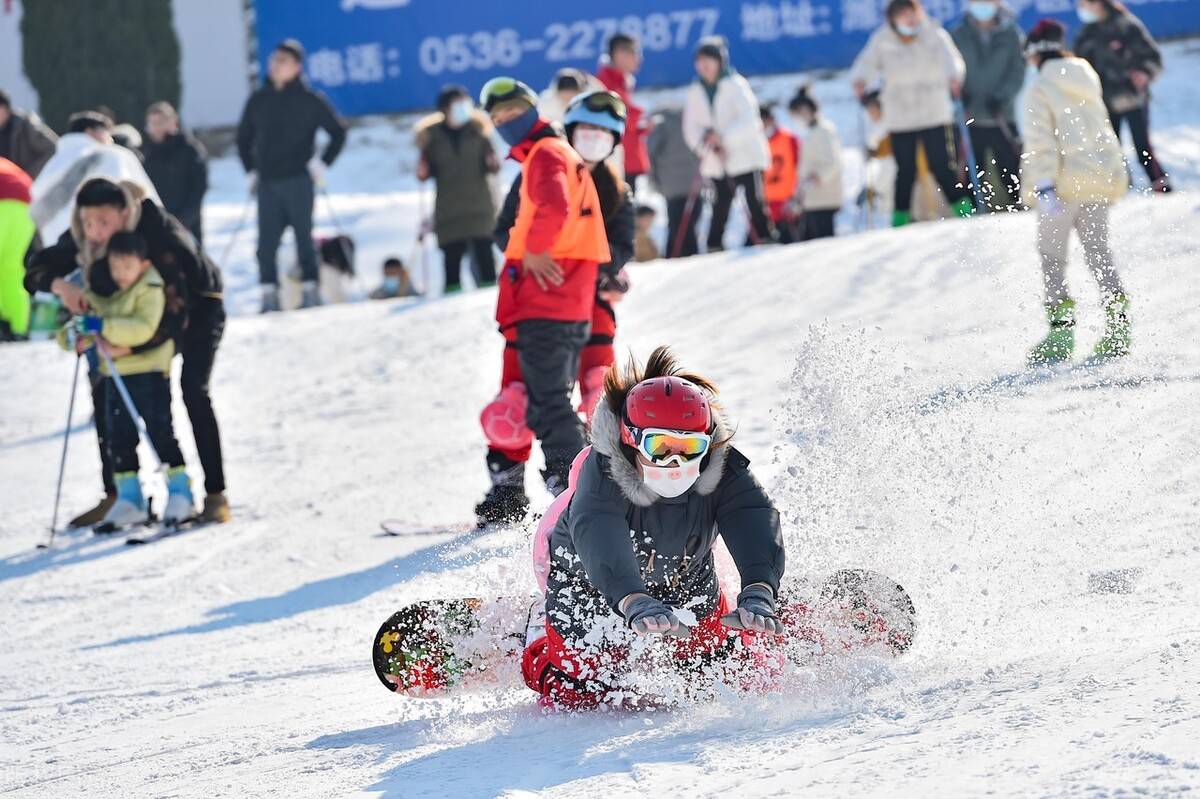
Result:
[[130, 507], [1117, 335], [1059, 343], [180, 503]]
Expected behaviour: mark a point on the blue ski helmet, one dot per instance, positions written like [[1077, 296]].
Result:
[[604, 109]]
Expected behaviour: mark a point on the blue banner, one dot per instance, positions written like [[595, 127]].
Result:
[[378, 56]]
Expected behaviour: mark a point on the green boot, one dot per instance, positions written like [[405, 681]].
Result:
[[964, 208], [901, 218], [1117, 337], [1059, 343]]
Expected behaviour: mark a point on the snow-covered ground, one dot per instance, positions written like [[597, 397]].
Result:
[[877, 384]]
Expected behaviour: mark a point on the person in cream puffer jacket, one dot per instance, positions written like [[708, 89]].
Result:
[[1073, 170]]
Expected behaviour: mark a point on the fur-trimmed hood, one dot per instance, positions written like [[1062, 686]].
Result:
[[606, 440], [88, 255], [423, 126]]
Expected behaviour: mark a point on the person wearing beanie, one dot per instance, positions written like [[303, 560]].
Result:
[[544, 308], [921, 72], [820, 166], [721, 124], [275, 140], [456, 153], [1072, 170], [1128, 61]]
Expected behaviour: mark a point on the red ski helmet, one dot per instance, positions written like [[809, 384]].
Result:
[[670, 403]]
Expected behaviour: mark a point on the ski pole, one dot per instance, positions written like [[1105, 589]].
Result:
[[140, 425], [969, 151], [689, 208], [62, 461], [422, 230], [238, 230], [337, 225]]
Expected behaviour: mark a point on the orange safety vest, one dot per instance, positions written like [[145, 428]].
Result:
[[780, 180], [582, 237]]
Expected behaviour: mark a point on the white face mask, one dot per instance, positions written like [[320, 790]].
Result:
[[671, 481], [906, 30], [593, 145], [459, 113], [1086, 15]]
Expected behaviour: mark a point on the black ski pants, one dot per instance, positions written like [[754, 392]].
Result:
[[818, 224], [481, 251], [151, 395], [941, 151], [992, 145], [1139, 129], [751, 184], [549, 352], [284, 203]]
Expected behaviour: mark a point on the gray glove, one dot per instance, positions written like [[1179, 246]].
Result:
[[755, 611], [644, 614]]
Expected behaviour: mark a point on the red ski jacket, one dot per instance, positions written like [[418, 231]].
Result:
[[637, 158]]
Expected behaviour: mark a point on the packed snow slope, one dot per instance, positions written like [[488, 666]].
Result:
[[1045, 524]]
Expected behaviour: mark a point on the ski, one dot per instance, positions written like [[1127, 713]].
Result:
[[165, 530], [398, 528]]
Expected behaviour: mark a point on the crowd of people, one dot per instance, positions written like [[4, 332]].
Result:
[[111, 224]]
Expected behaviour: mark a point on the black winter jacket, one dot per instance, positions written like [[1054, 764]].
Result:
[[616, 537], [178, 166], [275, 135], [1116, 46]]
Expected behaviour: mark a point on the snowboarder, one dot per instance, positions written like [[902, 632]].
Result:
[[632, 540], [594, 124], [275, 143], [722, 126], [456, 152], [547, 290], [820, 166], [194, 315], [16, 231], [1126, 58], [126, 300], [1073, 170], [920, 70]]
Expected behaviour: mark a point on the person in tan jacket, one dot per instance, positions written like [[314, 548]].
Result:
[[1073, 171], [820, 166], [126, 299]]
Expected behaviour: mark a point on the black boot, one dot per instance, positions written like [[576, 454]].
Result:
[[557, 473], [505, 502]]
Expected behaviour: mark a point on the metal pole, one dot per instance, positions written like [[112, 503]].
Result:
[[62, 461], [969, 151], [140, 425]]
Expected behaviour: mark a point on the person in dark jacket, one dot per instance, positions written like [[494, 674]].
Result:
[[594, 133], [675, 171], [631, 542], [194, 315], [275, 142], [24, 138], [1126, 58], [456, 151], [178, 166], [992, 48]]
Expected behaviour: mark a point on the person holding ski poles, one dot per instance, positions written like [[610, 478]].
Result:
[[1127, 59], [193, 316], [1073, 170], [594, 123], [545, 304], [991, 46], [126, 302], [632, 541], [721, 124], [921, 72]]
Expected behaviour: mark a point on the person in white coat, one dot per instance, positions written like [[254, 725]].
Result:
[[920, 70], [721, 124], [820, 166], [1073, 170]]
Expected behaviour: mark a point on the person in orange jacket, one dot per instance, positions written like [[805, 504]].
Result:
[[780, 182], [545, 303]]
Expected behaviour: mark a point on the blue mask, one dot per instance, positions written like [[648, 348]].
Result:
[[1086, 15], [906, 30], [984, 12], [516, 129]]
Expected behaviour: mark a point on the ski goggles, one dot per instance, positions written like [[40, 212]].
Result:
[[661, 447], [499, 90], [605, 102]]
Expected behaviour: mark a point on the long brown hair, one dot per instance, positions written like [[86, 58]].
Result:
[[609, 188]]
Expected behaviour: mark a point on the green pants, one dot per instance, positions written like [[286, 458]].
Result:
[[16, 231]]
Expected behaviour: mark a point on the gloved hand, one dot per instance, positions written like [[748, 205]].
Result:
[[1049, 203], [252, 181], [644, 614], [89, 324], [316, 170], [755, 611]]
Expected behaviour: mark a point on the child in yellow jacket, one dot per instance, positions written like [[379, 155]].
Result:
[[1073, 171], [118, 324]]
